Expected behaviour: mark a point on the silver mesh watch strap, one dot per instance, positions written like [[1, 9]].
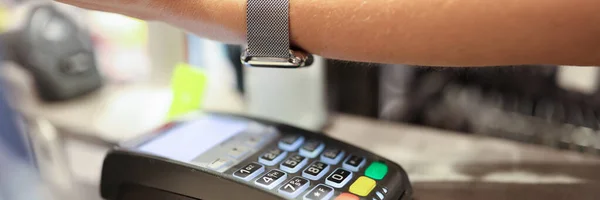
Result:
[[268, 28], [268, 34]]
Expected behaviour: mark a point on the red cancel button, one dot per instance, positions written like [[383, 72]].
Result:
[[347, 196]]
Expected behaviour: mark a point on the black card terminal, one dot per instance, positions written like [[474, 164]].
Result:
[[213, 156]]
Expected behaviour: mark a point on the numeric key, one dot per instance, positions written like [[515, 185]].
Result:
[[249, 171], [272, 157], [332, 155], [271, 179], [320, 192], [354, 163], [294, 163], [339, 178], [312, 148], [291, 142], [294, 187], [316, 170]]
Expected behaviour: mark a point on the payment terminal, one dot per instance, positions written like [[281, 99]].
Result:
[[216, 156]]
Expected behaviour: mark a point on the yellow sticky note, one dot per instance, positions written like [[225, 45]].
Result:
[[188, 86], [4, 18]]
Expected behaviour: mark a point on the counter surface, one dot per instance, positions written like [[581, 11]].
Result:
[[446, 165]]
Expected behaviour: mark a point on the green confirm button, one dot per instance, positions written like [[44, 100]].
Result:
[[376, 170]]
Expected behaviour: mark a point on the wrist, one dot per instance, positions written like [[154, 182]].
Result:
[[221, 20]]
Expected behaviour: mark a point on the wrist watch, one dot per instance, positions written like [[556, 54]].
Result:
[[268, 36]]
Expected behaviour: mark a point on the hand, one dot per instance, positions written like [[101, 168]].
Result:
[[205, 18]]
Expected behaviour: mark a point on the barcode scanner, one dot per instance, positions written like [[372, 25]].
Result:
[[55, 50]]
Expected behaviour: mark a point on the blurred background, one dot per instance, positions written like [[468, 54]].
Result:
[[74, 83]]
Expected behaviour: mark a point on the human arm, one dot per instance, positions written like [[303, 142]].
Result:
[[423, 32]]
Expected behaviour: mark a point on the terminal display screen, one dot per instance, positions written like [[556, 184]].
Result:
[[186, 141]]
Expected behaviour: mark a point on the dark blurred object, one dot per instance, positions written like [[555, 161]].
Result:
[[57, 52], [395, 86], [233, 53], [353, 88], [519, 103]]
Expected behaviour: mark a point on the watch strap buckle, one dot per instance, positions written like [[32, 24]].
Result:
[[295, 59]]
